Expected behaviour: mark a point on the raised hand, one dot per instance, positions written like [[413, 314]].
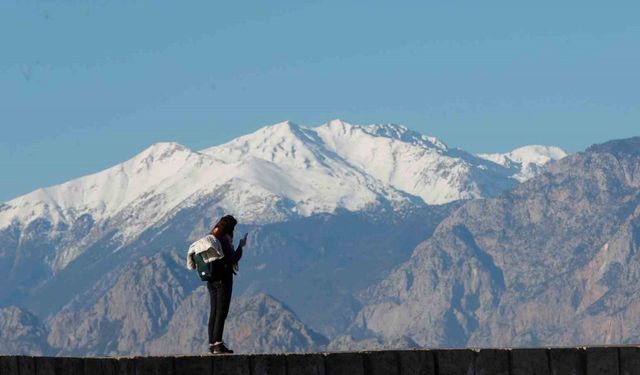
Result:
[[243, 240]]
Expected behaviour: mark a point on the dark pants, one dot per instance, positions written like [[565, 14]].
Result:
[[220, 298]]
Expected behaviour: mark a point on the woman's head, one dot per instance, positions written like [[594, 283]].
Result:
[[224, 226]]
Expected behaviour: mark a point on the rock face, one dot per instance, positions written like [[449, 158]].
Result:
[[257, 324], [134, 304], [21, 332], [554, 262], [140, 303], [154, 307], [344, 253], [318, 264]]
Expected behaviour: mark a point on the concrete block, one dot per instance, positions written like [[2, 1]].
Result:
[[381, 363], [455, 361], [70, 366], [229, 364], [100, 366], [154, 365], [8, 365], [305, 364], [602, 361], [201, 365], [492, 362], [630, 360], [567, 361], [125, 366], [530, 362], [419, 362], [344, 364], [26, 365], [47, 365], [268, 364]]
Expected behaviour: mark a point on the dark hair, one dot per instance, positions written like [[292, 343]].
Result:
[[225, 225]]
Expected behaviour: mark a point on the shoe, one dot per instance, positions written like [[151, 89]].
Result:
[[220, 348]]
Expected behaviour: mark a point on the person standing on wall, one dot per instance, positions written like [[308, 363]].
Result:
[[221, 284]]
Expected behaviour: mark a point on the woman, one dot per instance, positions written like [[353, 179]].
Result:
[[221, 284]]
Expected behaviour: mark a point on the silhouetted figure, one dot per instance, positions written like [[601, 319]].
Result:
[[221, 283]]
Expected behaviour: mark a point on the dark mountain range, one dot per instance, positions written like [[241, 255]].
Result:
[[555, 261], [316, 264]]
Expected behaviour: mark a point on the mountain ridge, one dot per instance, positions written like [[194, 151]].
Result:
[[339, 200], [278, 172], [552, 262]]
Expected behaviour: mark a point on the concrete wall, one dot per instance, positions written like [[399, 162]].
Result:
[[555, 361]]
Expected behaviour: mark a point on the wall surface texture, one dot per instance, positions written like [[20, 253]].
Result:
[[549, 361]]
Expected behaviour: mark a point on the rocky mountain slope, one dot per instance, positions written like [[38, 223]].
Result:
[[256, 324], [344, 253], [553, 262], [316, 264], [21, 332], [142, 301], [154, 307]]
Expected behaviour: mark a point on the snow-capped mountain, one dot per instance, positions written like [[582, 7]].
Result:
[[279, 172], [349, 202], [414, 163], [292, 162], [527, 161], [391, 154], [129, 196]]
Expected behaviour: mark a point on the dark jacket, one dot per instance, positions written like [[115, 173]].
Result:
[[223, 268]]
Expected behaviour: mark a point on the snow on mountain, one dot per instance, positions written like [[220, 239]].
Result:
[[287, 174], [381, 155], [528, 161], [292, 162], [130, 196], [414, 163], [278, 172], [105, 193]]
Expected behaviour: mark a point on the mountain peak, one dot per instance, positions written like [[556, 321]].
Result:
[[165, 152], [161, 150], [532, 154], [270, 134], [284, 143], [404, 134], [288, 124], [280, 127], [538, 153], [389, 130], [338, 125], [337, 121], [619, 148], [528, 161]]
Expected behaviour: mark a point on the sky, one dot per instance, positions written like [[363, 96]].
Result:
[[85, 85]]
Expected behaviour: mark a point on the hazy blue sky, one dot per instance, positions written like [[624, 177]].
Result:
[[87, 84]]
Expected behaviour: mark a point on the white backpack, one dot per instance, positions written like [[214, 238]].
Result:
[[208, 247]]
